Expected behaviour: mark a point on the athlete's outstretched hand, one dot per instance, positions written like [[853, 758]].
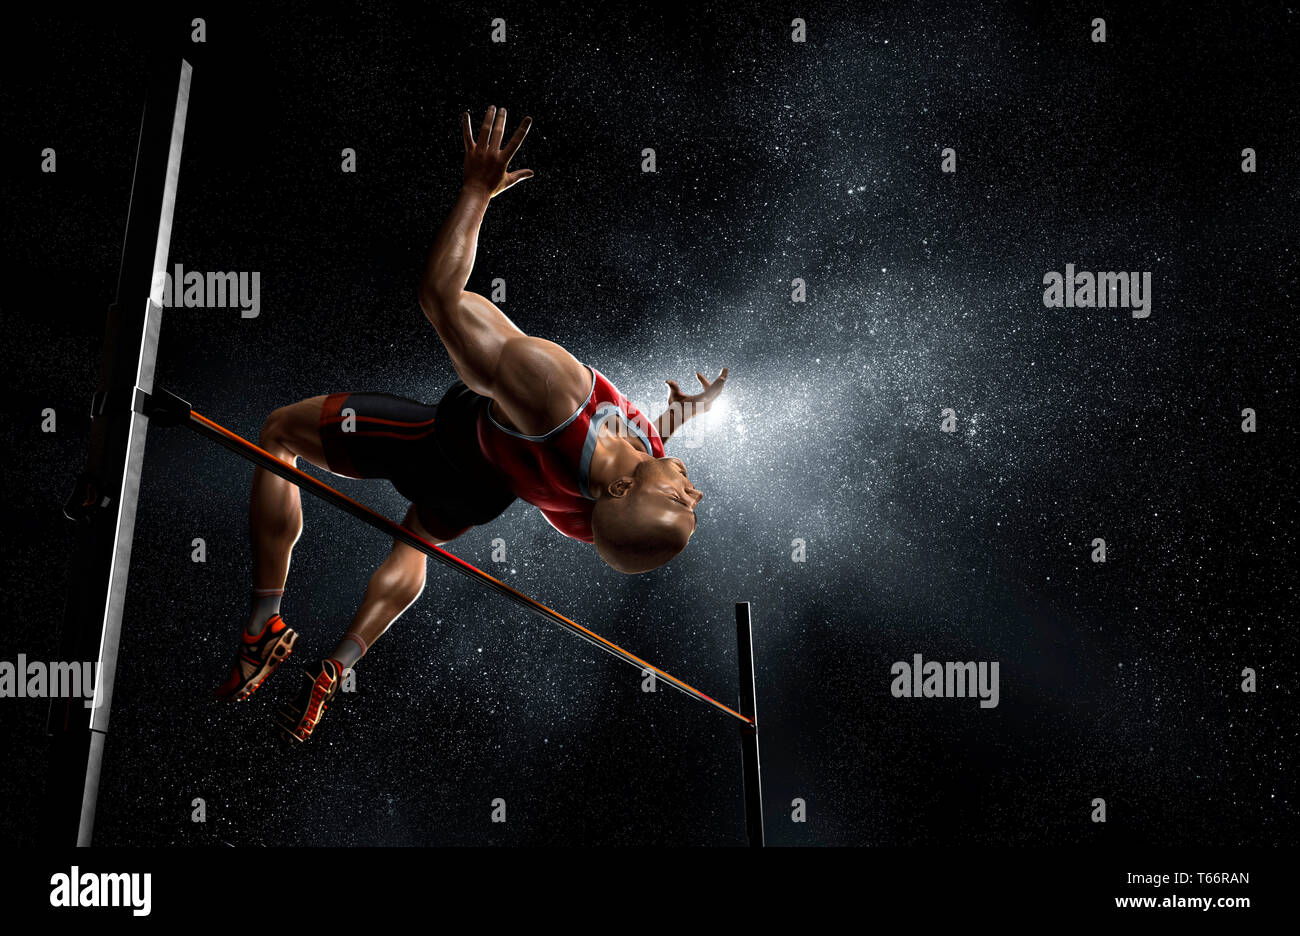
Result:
[[700, 402], [486, 160], [683, 406]]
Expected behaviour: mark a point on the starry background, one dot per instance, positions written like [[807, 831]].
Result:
[[776, 160]]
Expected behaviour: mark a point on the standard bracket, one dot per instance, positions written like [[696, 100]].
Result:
[[165, 409]]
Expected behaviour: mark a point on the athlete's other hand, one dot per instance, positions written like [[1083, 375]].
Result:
[[486, 160], [699, 402]]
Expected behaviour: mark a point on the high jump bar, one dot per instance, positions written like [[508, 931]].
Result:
[[168, 409]]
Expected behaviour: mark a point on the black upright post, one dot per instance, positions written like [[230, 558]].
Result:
[[749, 732], [106, 493]]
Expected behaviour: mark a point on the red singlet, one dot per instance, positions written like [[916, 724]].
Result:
[[551, 471]]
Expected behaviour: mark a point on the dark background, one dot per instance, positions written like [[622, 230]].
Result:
[[775, 160]]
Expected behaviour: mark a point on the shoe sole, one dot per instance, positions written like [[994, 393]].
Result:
[[290, 719], [279, 653]]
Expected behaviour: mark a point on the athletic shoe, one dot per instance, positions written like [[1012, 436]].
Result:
[[299, 718], [257, 658]]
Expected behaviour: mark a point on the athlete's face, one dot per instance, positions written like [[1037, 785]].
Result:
[[664, 495], [647, 518]]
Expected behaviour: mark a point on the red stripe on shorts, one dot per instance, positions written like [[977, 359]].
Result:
[[336, 458]]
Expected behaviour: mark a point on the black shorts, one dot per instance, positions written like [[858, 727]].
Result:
[[431, 454]]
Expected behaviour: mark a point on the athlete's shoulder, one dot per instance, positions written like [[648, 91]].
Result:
[[539, 385]]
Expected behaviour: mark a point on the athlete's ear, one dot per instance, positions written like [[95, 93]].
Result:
[[619, 487]]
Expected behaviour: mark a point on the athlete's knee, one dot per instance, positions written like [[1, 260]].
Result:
[[277, 430], [293, 431]]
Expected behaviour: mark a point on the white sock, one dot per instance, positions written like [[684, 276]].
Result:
[[266, 602]]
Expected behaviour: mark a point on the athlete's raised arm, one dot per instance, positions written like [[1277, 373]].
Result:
[[452, 257], [535, 382]]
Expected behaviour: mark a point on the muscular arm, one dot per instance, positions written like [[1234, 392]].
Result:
[[452, 256], [474, 331], [536, 384]]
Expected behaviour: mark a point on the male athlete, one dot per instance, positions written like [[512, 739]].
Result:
[[526, 420]]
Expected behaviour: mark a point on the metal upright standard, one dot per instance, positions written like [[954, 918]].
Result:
[[749, 730], [106, 492]]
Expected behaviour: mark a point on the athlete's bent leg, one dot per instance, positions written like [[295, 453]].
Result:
[[275, 507], [394, 587], [275, 522]]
